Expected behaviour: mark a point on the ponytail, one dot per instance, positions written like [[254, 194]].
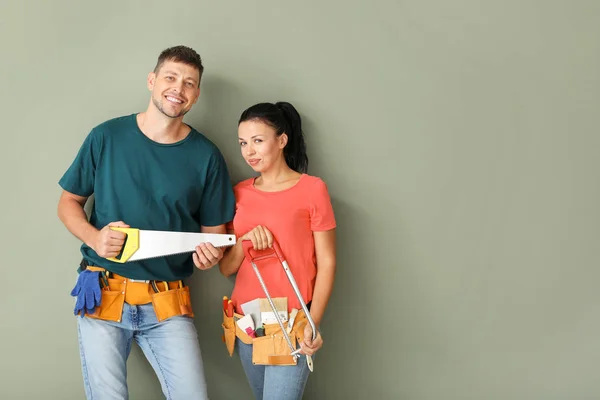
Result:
[[295, 150], [284, 118]]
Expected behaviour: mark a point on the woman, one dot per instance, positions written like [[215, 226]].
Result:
[[287, 205]]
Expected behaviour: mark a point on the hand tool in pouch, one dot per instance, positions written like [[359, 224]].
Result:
[[266, 314], [253, 308], [275, 252], [143, 244], [293, 314], [246, 324], [230, 308]]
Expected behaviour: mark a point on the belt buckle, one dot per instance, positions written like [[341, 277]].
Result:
[[139, 280]]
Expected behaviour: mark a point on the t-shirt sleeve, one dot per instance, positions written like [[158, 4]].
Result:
[[229, 226], [322, 217], [218, 202], [80, 176]]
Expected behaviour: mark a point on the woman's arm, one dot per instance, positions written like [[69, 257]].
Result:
[[326, 264], [232, 259], [260, 237]]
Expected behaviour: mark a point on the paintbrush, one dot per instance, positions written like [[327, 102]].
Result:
[[267, 316]]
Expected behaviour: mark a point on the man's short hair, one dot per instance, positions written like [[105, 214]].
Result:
[[182, 54]]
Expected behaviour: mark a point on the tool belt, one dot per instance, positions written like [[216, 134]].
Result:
[[278, 346], [168, 298], [270, 349]]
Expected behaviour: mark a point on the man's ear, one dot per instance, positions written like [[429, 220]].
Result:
[[151, 80], [283, 139]]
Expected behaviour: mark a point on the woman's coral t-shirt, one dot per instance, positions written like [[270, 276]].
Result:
[[292, 215]]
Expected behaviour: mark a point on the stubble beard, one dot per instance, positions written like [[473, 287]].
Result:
[[160, 107]]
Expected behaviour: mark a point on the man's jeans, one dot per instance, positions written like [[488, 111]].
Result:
[[274, 382], [170, 346]]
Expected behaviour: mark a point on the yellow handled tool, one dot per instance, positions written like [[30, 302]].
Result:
[[144, 244]]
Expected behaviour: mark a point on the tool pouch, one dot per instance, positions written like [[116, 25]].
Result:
[[229, 332], [113, 298], [172, 302], [271, 349]]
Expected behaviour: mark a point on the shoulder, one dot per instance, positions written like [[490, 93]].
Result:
[[244, 189], [316, 191], [116, 123], [113, 126], [242, 185], [314, 183], [205, 151], [201, 141]]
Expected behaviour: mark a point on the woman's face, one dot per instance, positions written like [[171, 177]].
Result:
[[260, 145]]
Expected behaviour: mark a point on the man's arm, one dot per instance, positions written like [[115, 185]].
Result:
[[213, 229], [207, 255], [72, 215], [105, 242]]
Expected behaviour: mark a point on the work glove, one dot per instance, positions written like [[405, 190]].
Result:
[[88, 293]]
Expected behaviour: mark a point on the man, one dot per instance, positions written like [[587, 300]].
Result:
[[149, 171]]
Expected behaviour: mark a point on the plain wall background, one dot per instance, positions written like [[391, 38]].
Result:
[[460, 144]]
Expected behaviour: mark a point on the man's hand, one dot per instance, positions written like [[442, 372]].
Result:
[[309, 346], [207, 256], [108, 243]]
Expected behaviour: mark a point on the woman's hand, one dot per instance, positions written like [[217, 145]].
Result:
[[309, 346], [260, 237]]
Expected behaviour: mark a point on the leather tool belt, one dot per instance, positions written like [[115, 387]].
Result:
[[168, 298], [270, 349]]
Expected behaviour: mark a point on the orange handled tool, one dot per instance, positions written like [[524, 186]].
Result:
[[253, 256]]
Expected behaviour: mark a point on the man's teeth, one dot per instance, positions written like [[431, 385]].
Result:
[[174, 100]]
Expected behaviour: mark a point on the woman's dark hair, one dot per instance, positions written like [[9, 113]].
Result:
[[284, 118]]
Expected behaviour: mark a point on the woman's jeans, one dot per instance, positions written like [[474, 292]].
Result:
[[274, 382]]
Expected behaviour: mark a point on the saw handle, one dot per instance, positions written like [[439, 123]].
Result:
[[251, 254], [131, 245]]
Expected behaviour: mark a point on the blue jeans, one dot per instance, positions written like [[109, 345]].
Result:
[[170, 346], [274, 382]]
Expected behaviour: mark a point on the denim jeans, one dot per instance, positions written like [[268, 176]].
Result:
[[170, 346], [274, 382]]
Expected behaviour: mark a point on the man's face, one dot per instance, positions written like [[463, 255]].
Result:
[[174, 88]]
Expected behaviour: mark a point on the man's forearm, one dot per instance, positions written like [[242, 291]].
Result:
[[73, 216]]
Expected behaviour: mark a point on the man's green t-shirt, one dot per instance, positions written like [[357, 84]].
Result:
[[148, 185]]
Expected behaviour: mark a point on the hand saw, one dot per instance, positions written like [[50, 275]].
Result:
[[143, 244]]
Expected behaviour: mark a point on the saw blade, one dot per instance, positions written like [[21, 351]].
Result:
[[153, 244]]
